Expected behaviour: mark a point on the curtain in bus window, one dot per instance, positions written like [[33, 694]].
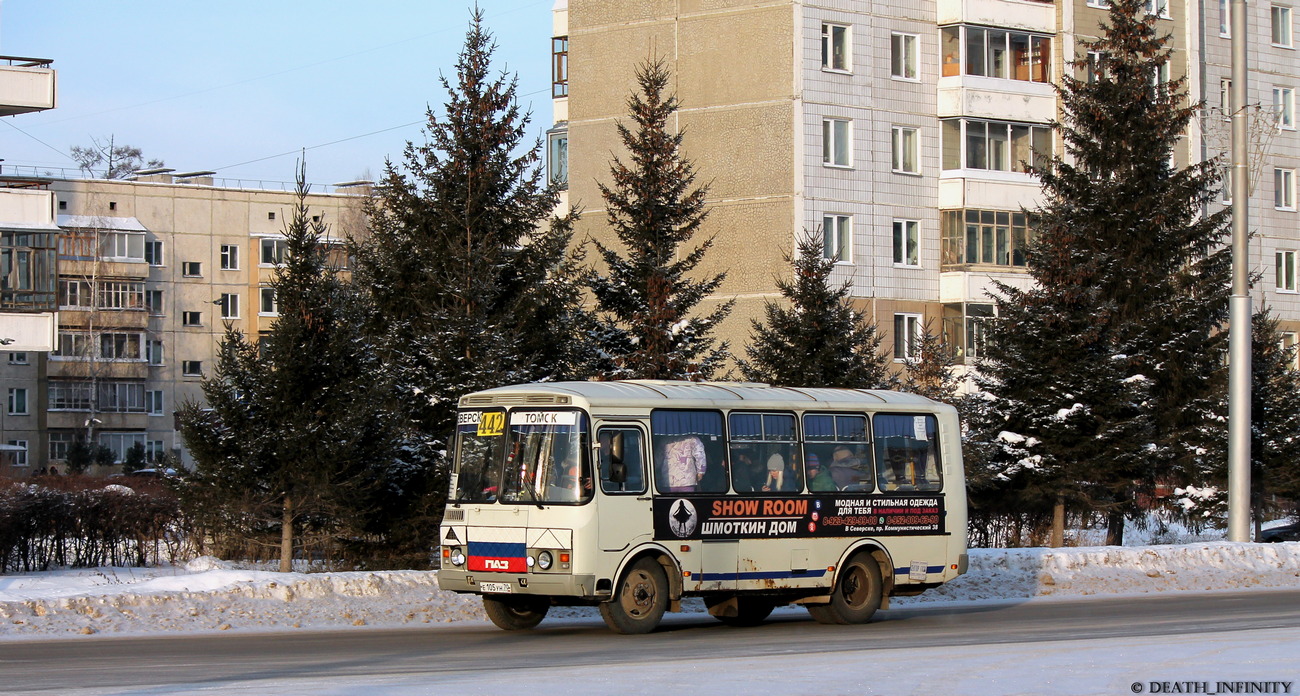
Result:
[[688, 451], [907, 452]]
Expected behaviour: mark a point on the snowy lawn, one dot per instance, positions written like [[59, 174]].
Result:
[[209, 595]]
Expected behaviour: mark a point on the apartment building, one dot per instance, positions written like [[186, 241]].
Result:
[[894, 130], [150, 273], [28, 305]]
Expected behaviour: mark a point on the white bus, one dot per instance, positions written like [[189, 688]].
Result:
[[634, 495]]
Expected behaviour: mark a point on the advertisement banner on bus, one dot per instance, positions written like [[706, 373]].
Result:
[[797, 516]]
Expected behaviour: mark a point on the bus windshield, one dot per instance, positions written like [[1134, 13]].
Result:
[[548, 460], [480, 440]]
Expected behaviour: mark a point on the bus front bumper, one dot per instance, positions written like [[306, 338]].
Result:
[[480, 582]]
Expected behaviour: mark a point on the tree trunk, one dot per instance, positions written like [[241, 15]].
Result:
[[286, 536], [1115, 528], [1058, 523]]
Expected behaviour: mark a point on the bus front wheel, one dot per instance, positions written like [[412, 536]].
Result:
[[516, 613], [856, 596], [640, 600]]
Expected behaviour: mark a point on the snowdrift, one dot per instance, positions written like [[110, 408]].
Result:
[[209, 595]]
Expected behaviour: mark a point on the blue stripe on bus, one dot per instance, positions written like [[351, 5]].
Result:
[[496, 549], [928, 570], [762, 575]]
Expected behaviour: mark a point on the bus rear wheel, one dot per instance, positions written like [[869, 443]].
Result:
[[516, 613], [857, 594], [639, 601]]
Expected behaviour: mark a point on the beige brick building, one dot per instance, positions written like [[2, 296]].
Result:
[[893, 129], [150, 271]]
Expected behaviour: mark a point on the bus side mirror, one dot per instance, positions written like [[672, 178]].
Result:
[[617, 469]]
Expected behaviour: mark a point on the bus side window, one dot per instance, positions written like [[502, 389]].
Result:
[[622, 464], [688, 451], [907, 453], [836, 453]]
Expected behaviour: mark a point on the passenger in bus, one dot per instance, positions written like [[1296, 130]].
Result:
[[775, 479], [568, 484], [684, 464], [747, 474], [819, 478], [846, 468]]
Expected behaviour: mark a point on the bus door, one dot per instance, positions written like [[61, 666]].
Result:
[[625, 511]]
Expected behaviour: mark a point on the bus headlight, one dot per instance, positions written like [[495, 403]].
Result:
[[544, 560], [457, 558]]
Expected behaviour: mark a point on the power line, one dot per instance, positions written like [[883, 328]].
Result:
[[61, 152]]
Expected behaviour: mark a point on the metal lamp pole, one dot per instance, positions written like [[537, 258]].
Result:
[[1239, 331]]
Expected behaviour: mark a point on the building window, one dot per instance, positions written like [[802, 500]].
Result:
[[20, 456], [995, 146], [1096, 67], [1225, 195], [1285, 271], [1159, 8], [115, 295], [192, 368], [73, 345], [68, 395], [121, 443], [837, 142], [1281, 26], [1225, 98], [272, 252], [965, 326], [837, 237], [229, 305], [120, 346], [1284, 107], [907, 336], [18, 401], [269, 308], [154, 450], [1284, 189], [557, 156], [902, 56], [17, 358], [229, 257], [560, 66], [836, 54], [986, 52], [906, 150], [907, 243], [153, 253], [192, 269], [1288, 342], [59, 444], [994, 237], [154, 351], [153, 399], [121, 397], [153, 301], [1225, 18], [1100, 4], [191, 318]]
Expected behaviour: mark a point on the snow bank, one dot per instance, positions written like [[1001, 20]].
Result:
[[209, 595]]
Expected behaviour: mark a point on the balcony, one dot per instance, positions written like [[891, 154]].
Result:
[[26, 85], [1031, 15]]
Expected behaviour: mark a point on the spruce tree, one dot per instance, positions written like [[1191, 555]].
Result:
[[294, 435], [646, 297], [1275, 420], [466, 264], [1131, 272], [932, 371], [819, 339]]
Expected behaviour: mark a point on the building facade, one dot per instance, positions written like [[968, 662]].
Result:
[[151, 271], [896, 132]]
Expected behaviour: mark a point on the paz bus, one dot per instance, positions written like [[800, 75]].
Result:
[[634, 495]]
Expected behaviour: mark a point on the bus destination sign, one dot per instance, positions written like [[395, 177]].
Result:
[[797, 516]]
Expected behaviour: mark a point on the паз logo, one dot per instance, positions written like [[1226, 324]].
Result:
[[683, 518]]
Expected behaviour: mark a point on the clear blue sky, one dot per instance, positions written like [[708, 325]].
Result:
[[227, 85]]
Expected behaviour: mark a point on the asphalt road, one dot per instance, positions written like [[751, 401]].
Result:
[[209, 661]]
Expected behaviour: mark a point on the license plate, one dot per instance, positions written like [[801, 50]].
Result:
[[495, 587]]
